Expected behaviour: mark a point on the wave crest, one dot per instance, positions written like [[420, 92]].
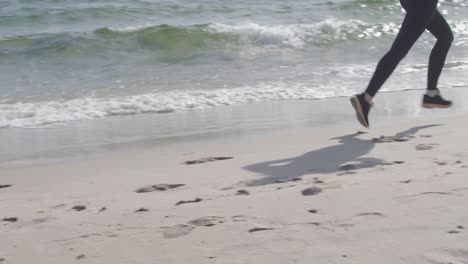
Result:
[[173, 40]]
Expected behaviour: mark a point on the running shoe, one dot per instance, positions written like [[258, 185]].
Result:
[[435, 102], [362, 108]]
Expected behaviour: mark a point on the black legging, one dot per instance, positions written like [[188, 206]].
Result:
[[420, 15]]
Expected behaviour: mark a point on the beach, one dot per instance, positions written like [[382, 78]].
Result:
[[333, 193], [180, 131]]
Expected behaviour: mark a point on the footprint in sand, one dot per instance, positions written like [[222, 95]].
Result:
[[371, 214], [240, 218], [428, 193], [177, 231], [385, 139], [257, 229], [207, 221], [242, 192], [311, 191], [296, 179], [42, 220], [458, 230], [423, 147], [184, 229], [158, 187], [388, 163], [141, 210], [58, 206], [288, 180], [204, 160], [10, 219], [79, 208], [284, 187], [196, 200]]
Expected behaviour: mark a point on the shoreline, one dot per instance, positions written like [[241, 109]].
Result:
[[73, 140]]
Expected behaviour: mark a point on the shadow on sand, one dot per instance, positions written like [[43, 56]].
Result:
[[325, 160]]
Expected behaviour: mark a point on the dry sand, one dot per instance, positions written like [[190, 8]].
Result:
[[396, 194]]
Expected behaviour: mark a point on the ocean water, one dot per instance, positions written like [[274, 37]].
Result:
[[63, 60]]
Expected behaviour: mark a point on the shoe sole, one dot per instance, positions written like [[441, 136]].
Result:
[[359, 114], [435, 106]]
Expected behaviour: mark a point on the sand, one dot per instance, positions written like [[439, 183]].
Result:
[[394, 194]]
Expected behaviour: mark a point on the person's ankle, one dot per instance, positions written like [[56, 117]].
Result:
[[432, 92], [368, 98]]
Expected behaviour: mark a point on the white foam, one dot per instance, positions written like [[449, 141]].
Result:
[[38, 114], [298, 35], [132, 28]]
